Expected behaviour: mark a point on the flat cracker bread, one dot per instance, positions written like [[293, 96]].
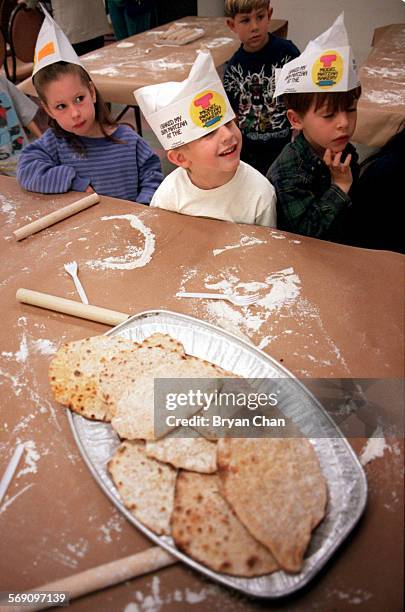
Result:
[[145, 485], [194, 454], [74, 371], [277, 490], [205, 527], [134, 411]]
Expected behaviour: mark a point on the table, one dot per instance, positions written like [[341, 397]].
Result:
[[334, 317], [118, 69], [381, 108]]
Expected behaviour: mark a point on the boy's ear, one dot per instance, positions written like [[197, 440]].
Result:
[[177, 157], [295, 119], [270, 12], [230, 23]]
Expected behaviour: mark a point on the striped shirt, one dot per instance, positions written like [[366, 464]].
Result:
[[129, 171]]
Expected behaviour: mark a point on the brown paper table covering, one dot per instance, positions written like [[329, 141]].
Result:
[[117, 69], [343, 319], [381, 108]]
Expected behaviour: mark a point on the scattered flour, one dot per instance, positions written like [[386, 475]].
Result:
[[125, 45], [383, 97], [11, 500], [243, 242], [375, 447], [107, 71], [115, 523], [31, 457], [154, 600], [218, 42], [43, 346], [134, 257]]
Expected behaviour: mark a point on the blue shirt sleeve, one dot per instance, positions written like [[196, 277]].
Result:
[[39, 168]]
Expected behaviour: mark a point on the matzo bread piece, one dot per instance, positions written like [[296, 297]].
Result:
[[276, 488], [145, 486], [74, 371], [205, 527], [194, 454], [134, 410], [164, 341]]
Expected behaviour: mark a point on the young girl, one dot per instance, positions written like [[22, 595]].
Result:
[[84, 149]]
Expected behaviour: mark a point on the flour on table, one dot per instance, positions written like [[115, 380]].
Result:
[[153, 600], [31, 457], [133, 256], [107, 71], [125, 45], [375, 447], [218, 42], [243, 242], [383, 97]]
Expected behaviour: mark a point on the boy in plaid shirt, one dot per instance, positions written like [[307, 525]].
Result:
[[314, 174]]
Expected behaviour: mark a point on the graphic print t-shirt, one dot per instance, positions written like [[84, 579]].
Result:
[[249, 82]]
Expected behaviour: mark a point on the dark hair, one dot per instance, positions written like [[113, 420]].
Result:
[[233, 7], [335, 101], [55, 71]]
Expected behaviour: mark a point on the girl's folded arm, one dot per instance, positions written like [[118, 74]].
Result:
[[149, 173], [39, 170]]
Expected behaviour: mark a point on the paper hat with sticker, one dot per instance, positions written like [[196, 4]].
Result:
[[179, 112], [326, 65], [52, 45]]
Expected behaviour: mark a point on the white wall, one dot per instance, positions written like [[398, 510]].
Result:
[[308, 18]]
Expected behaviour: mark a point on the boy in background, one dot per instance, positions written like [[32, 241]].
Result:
[[17, 112], [195, 123], [313, 175], [249, 81]]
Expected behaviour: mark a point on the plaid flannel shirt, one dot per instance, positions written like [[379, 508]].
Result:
[[307, 202]]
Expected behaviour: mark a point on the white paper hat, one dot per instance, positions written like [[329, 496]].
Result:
[[179, 112], [326, 64], [52, 45]]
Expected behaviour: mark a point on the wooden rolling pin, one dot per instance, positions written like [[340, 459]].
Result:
[[70, 307], [101, 577], [56, 215]]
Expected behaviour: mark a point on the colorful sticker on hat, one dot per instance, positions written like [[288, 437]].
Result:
[[207, 108], [327, 70]]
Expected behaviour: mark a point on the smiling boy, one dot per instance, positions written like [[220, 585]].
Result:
[[314, 174], [249, 81], [195, 124]]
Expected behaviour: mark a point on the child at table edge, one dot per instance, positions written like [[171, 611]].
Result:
[[84, 149], [17, 112], [314, 174], [249, 81], [210, 180]]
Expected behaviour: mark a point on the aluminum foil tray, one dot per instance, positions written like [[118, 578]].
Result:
[[347, 487]]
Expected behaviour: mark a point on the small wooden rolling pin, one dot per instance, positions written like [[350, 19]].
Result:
[[56, 215], [70, 307], [101, 577]]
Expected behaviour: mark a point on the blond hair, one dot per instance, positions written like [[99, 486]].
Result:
[[233, 7]]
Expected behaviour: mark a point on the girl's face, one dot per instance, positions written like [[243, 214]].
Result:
[[71, 103]]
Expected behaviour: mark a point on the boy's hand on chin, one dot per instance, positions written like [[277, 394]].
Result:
[[341, 173]]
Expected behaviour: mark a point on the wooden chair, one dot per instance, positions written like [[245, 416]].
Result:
[[23, 32]]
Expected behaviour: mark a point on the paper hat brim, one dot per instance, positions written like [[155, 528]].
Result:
[[180, 112], [53, 45], [326, 65]]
